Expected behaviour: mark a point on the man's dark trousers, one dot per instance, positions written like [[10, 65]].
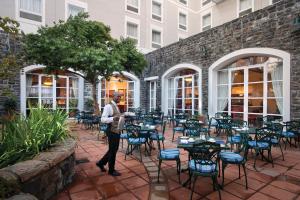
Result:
[[110, 156]]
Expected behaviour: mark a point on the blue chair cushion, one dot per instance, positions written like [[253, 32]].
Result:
[[234, 139], [288, 134], [202, 168], [137, 140], [192, 132], [155, 136], [178, 128], [258, 144], [124, 136], [231, 157], [169, 154]]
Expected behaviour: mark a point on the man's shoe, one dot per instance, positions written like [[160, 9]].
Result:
[[101, 167], [114, 173]]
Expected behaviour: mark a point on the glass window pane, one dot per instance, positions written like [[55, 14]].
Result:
[[75, 10], [222, 91], [32, 102], [130, 85], [188, 93], [47, 92], [34, 6], [256, 89], [222, 105], [256, 74], [237, 76], [178, 103], [196, 104], [156, 8], [255, 106], [73, 93], [32, 91], [275, 89], [196, 79], [275, 71], [179, 93], [196, 92], [156, 36], [61, 103], [61, 92], [275, 106], [73, 103], [206, 20], [237, 105], [188, 81], [132, 30], [47, 103], [237, 90], [47, 81], [188, 104], [61, 82], [245, 4], [133, 2], [182, 18], [222, 77]]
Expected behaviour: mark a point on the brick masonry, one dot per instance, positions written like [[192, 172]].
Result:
[[271, 27]]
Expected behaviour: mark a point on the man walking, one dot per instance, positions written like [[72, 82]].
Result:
[[111, 115]]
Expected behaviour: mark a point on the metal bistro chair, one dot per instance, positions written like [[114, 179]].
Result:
[[192, 128], [159, 136], [290, 132], [204, 162], [238, 157], [168, 154], [134, 140], [262, 143], [276, 135], [177, 124]]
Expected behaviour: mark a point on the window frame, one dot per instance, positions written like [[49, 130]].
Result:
[[29, 21], [185, 4], [202, 24], [76, 3], [161, 8], [157, 29], [207, 2], [155, 95], [186, 25], [130, 11], [240, 11], [133, 21]]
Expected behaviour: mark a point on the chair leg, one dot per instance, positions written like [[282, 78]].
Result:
[[141, 152], [217, 185], [223, 174], [239, 171], [281, 151], [271, 157], [193, 187], [173, 135], [127, 151], [244, 168], [255, 157], [163, 143], [178, 170], [159, 165], [122, 143]]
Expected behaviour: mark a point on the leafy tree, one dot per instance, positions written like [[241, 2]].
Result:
[[84, 46]]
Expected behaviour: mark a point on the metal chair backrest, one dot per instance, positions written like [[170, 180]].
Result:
[[133, 130], [193, 127]]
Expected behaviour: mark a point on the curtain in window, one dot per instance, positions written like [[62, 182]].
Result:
[[133, 2], [132, 30], [182, 19], [34, 6], [156, 8], [156, 37], [245, 4], [277, 76], [74, 88], [222, 93], [75, 10], [29, 85]]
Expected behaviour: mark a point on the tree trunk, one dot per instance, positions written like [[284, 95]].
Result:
[[95, 100]]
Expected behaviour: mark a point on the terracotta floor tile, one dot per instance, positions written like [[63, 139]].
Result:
[[62, 196], [80, 186], [277, 192], [86, 195], [124, 196], [261, 177], [125, 175], [138, 169], [111, 189], [144, 176], [173, 185], [260, 196], [287, 186], [93, 172], [133, 182], [239, 190], [142, 192], [252, 183], [224, 195], [182, 193], [99, 180]]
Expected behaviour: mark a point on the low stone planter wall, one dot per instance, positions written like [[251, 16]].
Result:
[[47, 173]]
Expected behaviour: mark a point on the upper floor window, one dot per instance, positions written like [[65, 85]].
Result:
[[205, 2], [274, 1], [156, 11], [132, 31], [245, 7], [183, 2], [74, 10], [182, 21], [133, 6], [31, 9], [156, 39], [206, 22]]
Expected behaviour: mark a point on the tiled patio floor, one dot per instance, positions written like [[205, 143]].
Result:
[[138, 180]]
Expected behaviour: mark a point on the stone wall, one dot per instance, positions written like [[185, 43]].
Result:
[[11, 83], [47, 173], [271, 27]]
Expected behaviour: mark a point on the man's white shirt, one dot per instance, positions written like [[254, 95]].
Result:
[[108, 112]]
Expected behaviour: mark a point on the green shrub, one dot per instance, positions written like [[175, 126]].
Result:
[[22, 138]]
